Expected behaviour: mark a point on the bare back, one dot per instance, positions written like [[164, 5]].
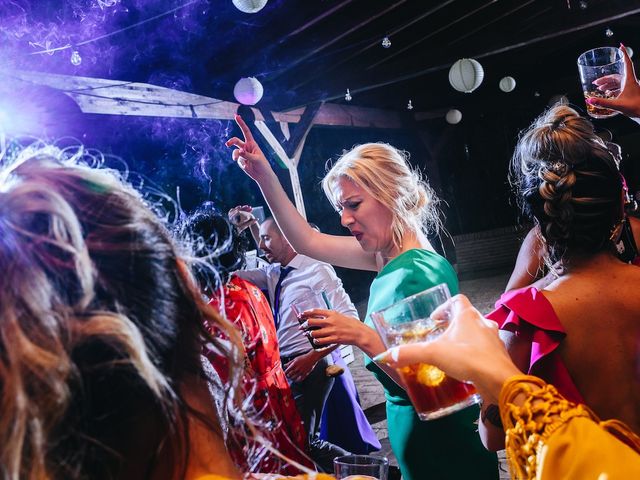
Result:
[[599, 307]]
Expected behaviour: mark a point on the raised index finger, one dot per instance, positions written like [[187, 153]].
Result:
[[246, 131]]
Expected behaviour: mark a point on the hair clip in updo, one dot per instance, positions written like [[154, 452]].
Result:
[[559, 168]]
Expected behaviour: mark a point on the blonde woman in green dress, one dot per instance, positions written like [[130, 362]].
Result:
[[388, 209]]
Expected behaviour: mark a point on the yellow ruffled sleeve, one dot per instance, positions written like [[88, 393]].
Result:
[[548, 437]]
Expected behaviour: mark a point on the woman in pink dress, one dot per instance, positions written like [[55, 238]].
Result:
[[579, 330]]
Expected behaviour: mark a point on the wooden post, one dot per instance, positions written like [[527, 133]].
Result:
[[288, 162], [290, 152]]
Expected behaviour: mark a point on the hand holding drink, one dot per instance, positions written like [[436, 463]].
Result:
[[628, 101], [602, 74], [469, 349], [417, 319], [311, 300]]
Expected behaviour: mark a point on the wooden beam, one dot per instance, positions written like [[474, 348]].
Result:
[[114, 97], [346, 116], [290, 164], [431, 33], [337, 38], [375, 43], [295, 143]]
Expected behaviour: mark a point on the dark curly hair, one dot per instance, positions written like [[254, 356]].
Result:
[[569, 183], [216, 242]]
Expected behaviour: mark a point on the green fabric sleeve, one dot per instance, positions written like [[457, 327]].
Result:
[[408, 274]]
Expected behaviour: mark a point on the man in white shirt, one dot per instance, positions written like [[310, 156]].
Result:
[[288, 277]]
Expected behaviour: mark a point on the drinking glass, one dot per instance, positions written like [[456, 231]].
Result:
[[309, 301], [433, 393], [602, 75], [360, 467]]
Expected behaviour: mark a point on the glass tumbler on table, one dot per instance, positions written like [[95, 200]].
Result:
[[433, 393], [360, 467]]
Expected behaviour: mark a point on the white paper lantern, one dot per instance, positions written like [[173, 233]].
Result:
[[629, 51], [249, 6], [453, 116], [507, 84], [466, 75], [561, 99], [248, 91]]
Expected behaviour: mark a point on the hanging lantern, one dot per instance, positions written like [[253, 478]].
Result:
[[453, 116], [466, 75], [248, 91], [507, 84], [629, 51], [561, 99], [249, 6]]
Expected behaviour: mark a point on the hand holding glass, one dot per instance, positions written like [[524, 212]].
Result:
[[432, 392], [311, 300], [602, 75]]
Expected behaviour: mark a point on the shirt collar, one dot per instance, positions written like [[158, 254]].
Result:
[[296, 262]]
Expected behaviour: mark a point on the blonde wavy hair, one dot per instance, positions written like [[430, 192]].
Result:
[[384, 172], [99, 324]]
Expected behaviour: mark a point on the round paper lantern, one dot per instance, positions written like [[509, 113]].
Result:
[[561, 99], [249, 6], [453, 116], [629, 51], [466, 75], [248, 91], [507, 84]]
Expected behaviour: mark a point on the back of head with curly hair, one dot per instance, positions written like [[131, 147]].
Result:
[[100, 325], [216, 242], [569, 182]]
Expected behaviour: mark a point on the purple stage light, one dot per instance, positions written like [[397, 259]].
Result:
[[37, 111]]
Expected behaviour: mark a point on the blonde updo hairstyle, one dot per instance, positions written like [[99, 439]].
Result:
[[384, 172]]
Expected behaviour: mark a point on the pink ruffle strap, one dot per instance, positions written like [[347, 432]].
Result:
[[527, 313]]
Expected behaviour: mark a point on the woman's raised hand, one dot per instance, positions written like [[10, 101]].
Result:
[[248, 154]]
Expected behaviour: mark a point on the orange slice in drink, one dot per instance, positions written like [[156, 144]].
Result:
[[429, 375]]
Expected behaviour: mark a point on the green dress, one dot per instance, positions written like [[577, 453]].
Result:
[[446, 448]]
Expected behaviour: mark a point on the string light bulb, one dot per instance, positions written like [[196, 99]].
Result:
[[76, 59], [608, 32], [347, 96], [409, 105], [386, 43]]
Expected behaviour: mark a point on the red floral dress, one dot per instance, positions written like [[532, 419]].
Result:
[[247, 308]]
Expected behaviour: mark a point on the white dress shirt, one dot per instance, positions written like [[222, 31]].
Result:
[[307, 274]]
